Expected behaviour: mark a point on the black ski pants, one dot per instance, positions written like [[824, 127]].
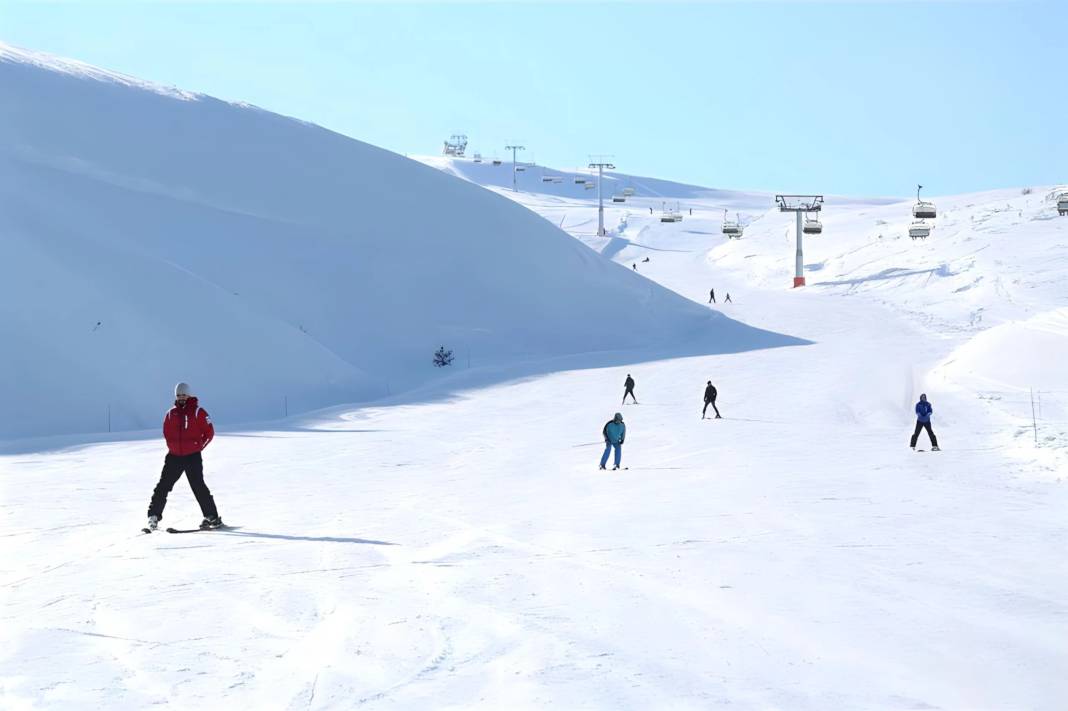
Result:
[[629, 391], [173, 467], [713, 404], [930, 433]]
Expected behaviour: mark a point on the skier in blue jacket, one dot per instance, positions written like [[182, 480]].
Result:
[[614, 433], [923, 421]]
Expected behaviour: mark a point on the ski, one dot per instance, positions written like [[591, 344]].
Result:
[[146, 530], [199, 530]]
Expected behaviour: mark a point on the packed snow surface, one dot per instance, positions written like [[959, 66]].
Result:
[[455, 546]]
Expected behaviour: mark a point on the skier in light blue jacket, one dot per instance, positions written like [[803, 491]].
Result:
[[614, 433]]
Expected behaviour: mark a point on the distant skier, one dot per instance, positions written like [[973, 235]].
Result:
[[646, 259], [710, 399], [614, 433], [628, 389], [635, 265], [650, 211], [712, 296], [188, 430], [923, 422], [728, 299]]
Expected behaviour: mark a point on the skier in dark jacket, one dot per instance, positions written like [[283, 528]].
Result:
[[923, 422], [628, 389], [614, 433], [710, 399], [711, 296], [188, 430]]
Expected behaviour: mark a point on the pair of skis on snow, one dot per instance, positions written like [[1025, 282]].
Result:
[[188, 530]]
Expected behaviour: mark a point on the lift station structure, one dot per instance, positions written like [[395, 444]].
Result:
[[455, 146], [801, 205]]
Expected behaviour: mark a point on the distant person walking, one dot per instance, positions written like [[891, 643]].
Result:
[[187, 430], [711, 296], [614, 433], [728, 299], [710, 399], [628, 389], [923, 422]]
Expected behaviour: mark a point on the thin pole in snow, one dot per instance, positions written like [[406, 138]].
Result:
[[1034, 422]]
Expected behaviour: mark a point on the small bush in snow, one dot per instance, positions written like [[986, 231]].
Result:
[[442, 357]]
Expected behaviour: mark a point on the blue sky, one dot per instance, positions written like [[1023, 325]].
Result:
[[857, 98]]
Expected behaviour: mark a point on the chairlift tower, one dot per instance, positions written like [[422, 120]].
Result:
[[799, 204], [600, 163], [513, 149]]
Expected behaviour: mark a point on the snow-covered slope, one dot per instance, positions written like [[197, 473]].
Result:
[[154, 235], [987, 284], [465, 552]]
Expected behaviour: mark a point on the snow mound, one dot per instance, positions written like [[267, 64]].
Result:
[[274, 265], [1019, 354]]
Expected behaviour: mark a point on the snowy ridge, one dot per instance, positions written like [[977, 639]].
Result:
[[74, 68], [275, 264]]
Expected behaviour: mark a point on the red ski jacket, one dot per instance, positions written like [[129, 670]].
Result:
[[187, 428]]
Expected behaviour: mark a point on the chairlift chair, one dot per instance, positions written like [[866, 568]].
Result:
[[580, 181], [589, 186], [496, 161], [731, 228], [557, 180], [627, 192], [1062, 204], [812, 226], [919, 230], [618, 198], [923, 210], [519, 169], [546, 178], [478, 157]]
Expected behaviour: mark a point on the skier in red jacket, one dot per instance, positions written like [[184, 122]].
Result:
[[188, 430]]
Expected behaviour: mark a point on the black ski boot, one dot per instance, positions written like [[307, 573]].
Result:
[[210, 523]]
